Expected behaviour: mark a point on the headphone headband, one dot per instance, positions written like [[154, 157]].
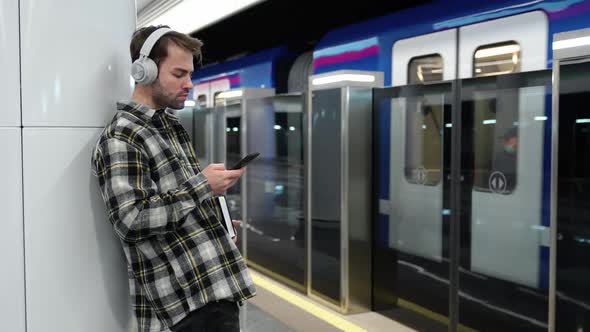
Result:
[[151, 41]]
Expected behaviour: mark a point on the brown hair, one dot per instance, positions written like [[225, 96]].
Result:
[[159, 51]]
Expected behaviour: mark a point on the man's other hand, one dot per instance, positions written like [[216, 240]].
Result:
[[236, 224]]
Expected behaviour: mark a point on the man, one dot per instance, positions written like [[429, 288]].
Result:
[[505, 160], [185, 273]]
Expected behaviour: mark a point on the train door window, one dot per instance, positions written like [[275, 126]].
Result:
[[424, 141], [423, 124], [496, 120], [202, 101], [495, 140], [496, 59], [425, 69]]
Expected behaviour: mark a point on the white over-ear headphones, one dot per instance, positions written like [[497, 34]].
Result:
[[144, 70]]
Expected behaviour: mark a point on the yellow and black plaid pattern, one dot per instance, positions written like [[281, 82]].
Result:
[[179, 255]]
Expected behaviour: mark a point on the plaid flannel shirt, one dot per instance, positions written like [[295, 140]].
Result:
[[179, 255]]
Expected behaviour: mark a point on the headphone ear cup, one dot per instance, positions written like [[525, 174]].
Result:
[[151, 71], [144, 71], [138, 71]]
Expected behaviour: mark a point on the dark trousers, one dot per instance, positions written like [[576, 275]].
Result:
[[222, 316]]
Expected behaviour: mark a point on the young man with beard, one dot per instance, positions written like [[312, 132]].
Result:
[[185, 272]]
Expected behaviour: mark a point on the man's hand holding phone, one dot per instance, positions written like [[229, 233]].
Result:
[[221, 179]]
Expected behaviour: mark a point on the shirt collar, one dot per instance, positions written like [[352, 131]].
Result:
[[143, 110], [172, 112]]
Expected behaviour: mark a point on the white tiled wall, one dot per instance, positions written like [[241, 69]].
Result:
[[76, 274], [75, 65], [12, 298], [9, 69], [75, 60]]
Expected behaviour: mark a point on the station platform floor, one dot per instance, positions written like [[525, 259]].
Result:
[[279, 308]]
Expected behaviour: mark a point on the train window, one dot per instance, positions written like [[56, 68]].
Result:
[[217, 101], [424, 140], [495, 141], [424, 69], [496, 59], [202, 101]]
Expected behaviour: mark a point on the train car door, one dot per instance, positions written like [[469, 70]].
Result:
[[507, 127], [504, 233], [416, 177]]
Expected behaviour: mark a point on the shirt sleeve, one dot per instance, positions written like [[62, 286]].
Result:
[[135, 206]]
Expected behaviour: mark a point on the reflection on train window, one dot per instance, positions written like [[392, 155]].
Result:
[[495, 141], [202, 101], [233, 140], [233, 136], [496, 59], [288, 137], [275, 187], [424, 140], [233, 155], [425, 69], [200, 136]]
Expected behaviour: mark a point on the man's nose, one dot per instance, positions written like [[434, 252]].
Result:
[[188, 84]]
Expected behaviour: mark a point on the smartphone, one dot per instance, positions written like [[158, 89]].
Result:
[[245, 161]]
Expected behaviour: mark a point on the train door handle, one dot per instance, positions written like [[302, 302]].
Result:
[[449, 178], [559, 236]]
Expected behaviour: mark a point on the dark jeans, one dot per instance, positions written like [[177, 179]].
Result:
[[219, 316]]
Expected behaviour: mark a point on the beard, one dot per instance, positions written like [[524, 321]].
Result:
[[165, 99]]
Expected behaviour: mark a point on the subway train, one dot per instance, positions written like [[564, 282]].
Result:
[[490, 64]]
